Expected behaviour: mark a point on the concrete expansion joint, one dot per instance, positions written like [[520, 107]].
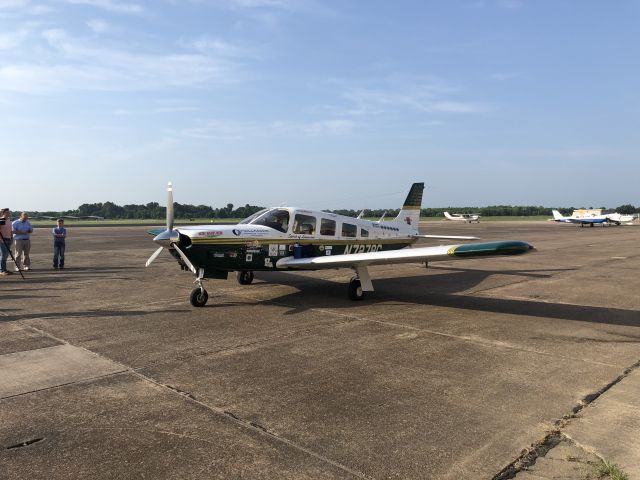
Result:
[[254, 426], [529, 455], [180, 392]]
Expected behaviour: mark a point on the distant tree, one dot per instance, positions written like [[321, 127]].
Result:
[[627, 209]]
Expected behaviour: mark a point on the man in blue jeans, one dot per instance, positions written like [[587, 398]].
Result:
[[59, 234], [5, 240]]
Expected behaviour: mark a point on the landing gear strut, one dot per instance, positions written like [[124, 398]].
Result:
[[199, 295], [360, 283], [245, 277]]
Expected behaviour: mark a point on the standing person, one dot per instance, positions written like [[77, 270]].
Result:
[[5, 240], [21, 230], [59, 234]]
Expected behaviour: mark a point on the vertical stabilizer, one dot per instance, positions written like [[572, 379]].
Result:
[[410, 211], [557, 215]]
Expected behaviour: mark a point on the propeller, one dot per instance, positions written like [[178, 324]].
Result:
[[170, 237]]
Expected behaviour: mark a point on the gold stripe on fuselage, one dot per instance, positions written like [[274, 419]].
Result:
[[306, 241]]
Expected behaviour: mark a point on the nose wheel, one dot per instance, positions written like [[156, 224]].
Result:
[[199, 295]]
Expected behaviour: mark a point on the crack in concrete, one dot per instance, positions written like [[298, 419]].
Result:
[[234, 418], [256, 427], [529, 455], [25, 443], [180, 392]]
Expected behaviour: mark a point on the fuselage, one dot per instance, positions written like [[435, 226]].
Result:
[[258, 242]]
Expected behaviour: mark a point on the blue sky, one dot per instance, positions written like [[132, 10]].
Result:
[[324, 104]]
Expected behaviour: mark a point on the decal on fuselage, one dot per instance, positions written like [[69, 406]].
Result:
[[362, 248]]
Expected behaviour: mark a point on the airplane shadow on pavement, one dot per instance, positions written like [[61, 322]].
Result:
[[441, 290]]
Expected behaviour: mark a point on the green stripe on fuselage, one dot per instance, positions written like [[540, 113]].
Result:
[[509, 247]]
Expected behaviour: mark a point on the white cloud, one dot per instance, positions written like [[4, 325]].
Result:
[[97, 25], [10, 40], [20, 7], [406, 93], [77, 64], [235, 130], [214, 46], [13, 4], [109, 5], [457, 107]]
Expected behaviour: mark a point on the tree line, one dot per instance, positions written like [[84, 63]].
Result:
[[153, 210]]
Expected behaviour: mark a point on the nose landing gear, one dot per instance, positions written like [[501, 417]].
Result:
[[199, 295]]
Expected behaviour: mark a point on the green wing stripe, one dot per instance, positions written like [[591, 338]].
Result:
[[509, 247]]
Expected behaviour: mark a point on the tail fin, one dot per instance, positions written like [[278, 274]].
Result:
[[448, 216], [410, 211], [557, 215]]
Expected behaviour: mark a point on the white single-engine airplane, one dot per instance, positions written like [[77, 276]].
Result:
[[287, 238], [463, 217], [590, 220], [619, 218]]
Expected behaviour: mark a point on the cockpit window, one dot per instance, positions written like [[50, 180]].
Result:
[[276, 218], [251, 218]]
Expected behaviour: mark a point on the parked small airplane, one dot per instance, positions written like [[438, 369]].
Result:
[[619, 218], [590, 220], [287, 238], [463, 217]]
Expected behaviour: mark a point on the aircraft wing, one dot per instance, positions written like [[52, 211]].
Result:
[[408, 255], [446, 237]]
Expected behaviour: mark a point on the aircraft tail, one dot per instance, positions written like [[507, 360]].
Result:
[[410, 211], [557, 215], [448, 216]]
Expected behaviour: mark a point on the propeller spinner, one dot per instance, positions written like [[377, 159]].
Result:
[[169, 238]]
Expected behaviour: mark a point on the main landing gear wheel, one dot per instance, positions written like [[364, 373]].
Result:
[[355, 290], [245, 278], [199, 297]]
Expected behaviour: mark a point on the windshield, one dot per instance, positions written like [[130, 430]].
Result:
[[251, 218], [277, 218]]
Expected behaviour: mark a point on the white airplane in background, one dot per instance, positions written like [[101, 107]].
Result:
[[463, 217], [289, 238], [590, 220], [619, 218]]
